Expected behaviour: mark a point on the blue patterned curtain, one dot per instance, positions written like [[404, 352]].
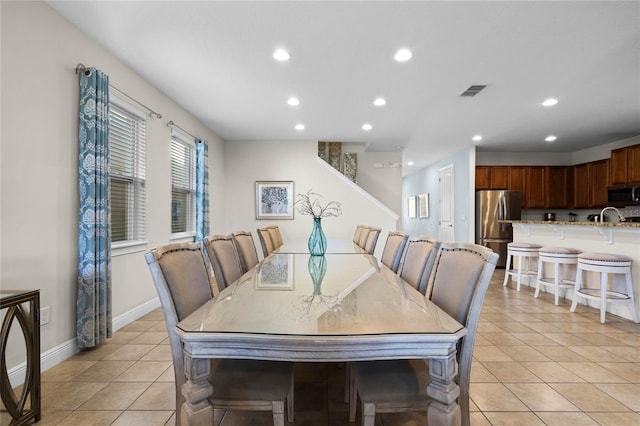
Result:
[[202, 189], [93, 320]]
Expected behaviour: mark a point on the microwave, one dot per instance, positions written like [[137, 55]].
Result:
[[624, 195]]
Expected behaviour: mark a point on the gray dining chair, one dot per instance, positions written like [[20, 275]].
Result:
[[183, 283], [362, 239], [266, 242], [393, 249], [246, 249], [357, 233], [372, 239], [417, 261], [224, 258], [462, 273]]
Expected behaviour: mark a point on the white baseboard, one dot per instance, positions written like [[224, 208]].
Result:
[[66, 350]]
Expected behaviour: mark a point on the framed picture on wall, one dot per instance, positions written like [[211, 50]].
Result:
[[411, 206], [423, 205], [274, 200]]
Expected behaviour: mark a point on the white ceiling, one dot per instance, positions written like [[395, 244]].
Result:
[[214, 59]]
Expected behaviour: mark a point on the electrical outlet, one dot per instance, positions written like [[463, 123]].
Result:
[[45, 314]]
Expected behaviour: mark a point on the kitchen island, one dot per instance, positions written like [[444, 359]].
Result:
[[601, 237]]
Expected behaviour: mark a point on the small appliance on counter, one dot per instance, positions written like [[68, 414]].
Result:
[[593, 218], [549, 217], [572, 217]]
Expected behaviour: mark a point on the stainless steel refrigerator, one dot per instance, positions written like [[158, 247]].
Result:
[[491, 207]]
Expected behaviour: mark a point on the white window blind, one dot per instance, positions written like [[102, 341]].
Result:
[[183, 185], [128, 201]]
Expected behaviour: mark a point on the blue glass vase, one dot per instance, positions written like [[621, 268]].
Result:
[[317, 269], [317, 239]]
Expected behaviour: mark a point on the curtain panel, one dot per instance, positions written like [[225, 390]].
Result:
[[93, 303], [202, 189]]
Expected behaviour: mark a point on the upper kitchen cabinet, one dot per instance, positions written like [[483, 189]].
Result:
[[558, 187], [581, 174], [483, 177], [517, 177], [535, 187], [598, 182], [625, 165], [492, 177]]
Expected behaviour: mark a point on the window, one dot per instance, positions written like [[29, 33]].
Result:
[[183, 186], [127, 144]]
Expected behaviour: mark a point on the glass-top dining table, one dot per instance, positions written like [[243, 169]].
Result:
[[340, 307]]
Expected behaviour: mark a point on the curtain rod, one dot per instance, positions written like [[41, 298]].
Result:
[[81, 68], [172, 124]]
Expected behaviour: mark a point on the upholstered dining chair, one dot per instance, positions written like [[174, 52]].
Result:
[[246, 249], [393, 249], [225, 261], [417, 261], [276, 236], [362, 239], [182, 280], [372, 239], [265, 241], [357, 233], [461, 276]]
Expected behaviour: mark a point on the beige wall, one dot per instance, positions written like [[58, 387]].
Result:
[[296, 161], [39, 156]]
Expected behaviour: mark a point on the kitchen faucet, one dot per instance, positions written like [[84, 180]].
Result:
[[622, 219]]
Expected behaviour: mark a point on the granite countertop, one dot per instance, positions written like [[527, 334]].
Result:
[[596, 224]]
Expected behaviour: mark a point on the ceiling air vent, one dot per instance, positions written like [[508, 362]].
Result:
[[473, 90]]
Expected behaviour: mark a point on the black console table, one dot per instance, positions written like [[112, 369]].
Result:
[[29, 321]]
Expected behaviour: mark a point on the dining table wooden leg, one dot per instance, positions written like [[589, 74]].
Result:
[[444, 392], [197, 410]]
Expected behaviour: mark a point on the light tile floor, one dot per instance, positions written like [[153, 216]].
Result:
[[534, 363]]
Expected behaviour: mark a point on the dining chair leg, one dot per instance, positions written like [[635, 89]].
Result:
[[368, 414], [290, 403], [353, 399], [278, 413]]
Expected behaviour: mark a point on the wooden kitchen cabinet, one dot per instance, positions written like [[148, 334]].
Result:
[[492, 177], [598, 182], [482, 177], [535, 187], [619, 166], [624, 166], [581, 186], [633, 164], [517, 180], [558, 187], [499, 177]]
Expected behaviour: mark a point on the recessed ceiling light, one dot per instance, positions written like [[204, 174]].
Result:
[[409, 163], [403, 55], [476, 138], [281, 55], [550, 138], [299, 126], [367, 127], [549, 102], [380, 102], [293, 101]]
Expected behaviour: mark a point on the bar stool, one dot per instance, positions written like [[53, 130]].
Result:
[[559, 257], [605, 264], [521, 251]]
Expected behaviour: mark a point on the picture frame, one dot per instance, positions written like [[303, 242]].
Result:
[[411, 206], [423, 205], [276, 273], [274, 200]]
